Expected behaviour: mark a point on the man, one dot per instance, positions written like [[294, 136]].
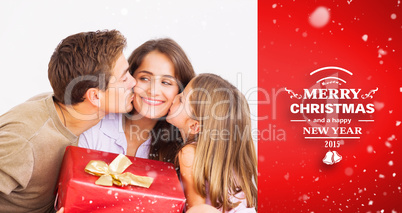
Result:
[[89, 76]]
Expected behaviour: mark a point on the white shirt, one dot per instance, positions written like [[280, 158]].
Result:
[[108, 136]]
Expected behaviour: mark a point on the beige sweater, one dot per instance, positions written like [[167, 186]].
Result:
[[32, 145]]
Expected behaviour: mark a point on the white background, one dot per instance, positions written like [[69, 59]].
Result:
[[219, 36]]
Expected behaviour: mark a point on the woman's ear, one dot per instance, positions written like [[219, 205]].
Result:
[[93, 95], [194, 127]]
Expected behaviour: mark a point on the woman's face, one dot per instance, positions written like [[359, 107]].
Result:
[[156, 85]]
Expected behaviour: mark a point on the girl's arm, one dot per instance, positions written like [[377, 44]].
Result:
[[186, 159]]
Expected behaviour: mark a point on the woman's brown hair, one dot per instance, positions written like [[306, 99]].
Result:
[[165, 138]]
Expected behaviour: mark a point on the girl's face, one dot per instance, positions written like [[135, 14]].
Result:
[[180, 111], [156, 85]]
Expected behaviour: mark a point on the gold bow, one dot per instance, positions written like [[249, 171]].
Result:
[[112, 173]]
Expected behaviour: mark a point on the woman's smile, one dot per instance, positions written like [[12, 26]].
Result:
[[153, 102]]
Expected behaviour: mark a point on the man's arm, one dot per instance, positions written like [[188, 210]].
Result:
[[16, 162]]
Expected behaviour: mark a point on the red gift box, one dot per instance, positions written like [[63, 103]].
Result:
[[77, 191]]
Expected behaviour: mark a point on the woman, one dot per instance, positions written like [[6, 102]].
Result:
[[162, 70]]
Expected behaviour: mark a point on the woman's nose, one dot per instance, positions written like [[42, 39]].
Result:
[[155, 87]]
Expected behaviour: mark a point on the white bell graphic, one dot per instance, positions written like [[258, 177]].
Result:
[[328, 158], [337, 157]]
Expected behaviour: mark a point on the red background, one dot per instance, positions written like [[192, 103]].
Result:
[[292, 176]]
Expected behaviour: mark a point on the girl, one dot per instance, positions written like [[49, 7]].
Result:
[[218, 163], [162, 70]]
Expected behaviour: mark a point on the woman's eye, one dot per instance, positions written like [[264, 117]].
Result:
[[144, 79], [166, 83]]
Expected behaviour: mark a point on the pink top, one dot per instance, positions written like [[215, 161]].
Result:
[[241, 208]]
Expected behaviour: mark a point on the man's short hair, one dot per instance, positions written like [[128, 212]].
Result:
[[83, 61]]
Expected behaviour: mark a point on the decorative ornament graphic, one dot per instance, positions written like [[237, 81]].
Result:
[[332, 157], [370, 94], [292, 94], [325, 108]]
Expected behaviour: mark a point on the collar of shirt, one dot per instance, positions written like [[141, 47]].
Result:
[[109, 128]]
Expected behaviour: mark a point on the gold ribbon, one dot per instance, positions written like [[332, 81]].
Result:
[[112, 174]]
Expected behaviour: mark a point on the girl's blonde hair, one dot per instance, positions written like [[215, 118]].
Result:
[[225, 158]]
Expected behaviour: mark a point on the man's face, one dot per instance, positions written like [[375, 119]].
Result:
[[119, 95]]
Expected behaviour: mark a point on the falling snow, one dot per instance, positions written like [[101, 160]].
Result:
[[349, 171], [286, 176], [388, 144], [370, 149], [381, 53], [378, 105], [364, 37], [320, 17], [304, 197], [391, 138]]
